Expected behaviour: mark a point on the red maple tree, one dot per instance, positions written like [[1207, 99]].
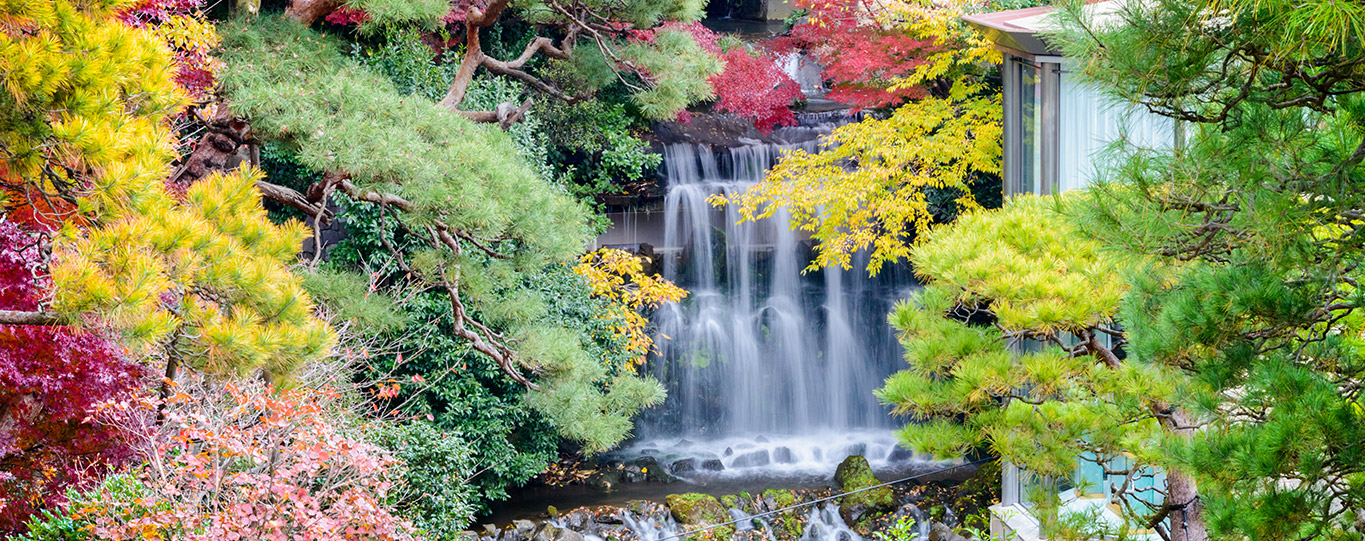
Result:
[[860, 58], [752, 85], [50, 378]]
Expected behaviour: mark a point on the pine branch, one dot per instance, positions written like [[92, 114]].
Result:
[[505, 115], [399, 203], [481, 338], [17, 317], [292, 198]]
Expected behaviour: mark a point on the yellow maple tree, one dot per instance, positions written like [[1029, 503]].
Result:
[[619, 277], [867, 187]]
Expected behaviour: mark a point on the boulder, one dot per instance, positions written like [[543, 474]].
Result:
[[752, 459], [653, 470], [633, 474], [900, 454], [854, 473], [728, 451], [783, 455], [686, 465], [694, 510], [761, 439], [550, 532], [940, 532], [604, 479], [713, 464]]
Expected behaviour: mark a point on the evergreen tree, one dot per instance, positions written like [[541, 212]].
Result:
[[453, 207], [201, 279], [593, 44], [1261, 207], [1013, 347]]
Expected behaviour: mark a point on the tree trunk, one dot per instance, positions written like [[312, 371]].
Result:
[[1187, 515], [1187, 522], [308, 11]]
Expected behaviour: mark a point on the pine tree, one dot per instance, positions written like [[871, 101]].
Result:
[[1014, 347], [595, 43], [453, 207], [1259, 211]]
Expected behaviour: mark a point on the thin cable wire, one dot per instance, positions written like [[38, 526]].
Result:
[[828, 498]]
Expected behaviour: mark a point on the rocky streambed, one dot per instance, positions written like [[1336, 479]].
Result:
[[925, 509]]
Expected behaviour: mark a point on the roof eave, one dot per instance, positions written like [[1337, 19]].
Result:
[[1011, 37]]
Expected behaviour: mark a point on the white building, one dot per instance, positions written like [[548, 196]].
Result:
[[1056, 130]]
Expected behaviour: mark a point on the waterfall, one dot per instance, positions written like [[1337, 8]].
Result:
[[765, 366], [822, 523]]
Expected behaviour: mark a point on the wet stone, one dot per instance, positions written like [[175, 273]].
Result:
[[856, 449], [752, 460], [686, 465], [761, 439], [728, 451], [783, 455], [940, 532], [713, 464], [900, 454]]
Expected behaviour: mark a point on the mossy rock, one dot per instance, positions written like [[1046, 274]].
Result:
[[854, 473], [780, 498], [789, 526], [695, 510]]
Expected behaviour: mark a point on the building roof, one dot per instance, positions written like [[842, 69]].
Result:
[[1022, 29]]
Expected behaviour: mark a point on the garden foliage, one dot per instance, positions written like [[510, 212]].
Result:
[[887, 179]]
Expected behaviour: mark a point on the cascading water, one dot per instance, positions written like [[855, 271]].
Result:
[[766, 366], [822, 523]]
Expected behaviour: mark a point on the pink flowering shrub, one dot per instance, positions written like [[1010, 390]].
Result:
[[245, 463]]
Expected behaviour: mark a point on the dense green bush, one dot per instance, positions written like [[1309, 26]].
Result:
[[60, 524], [437, 466]]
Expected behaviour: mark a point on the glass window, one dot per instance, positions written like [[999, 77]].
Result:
[[1030, 121]]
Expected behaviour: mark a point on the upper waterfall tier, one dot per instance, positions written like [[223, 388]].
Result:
[[759, 347]]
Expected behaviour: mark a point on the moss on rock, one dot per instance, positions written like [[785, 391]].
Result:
[[854, 473], [694, 510], [780, 498]]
